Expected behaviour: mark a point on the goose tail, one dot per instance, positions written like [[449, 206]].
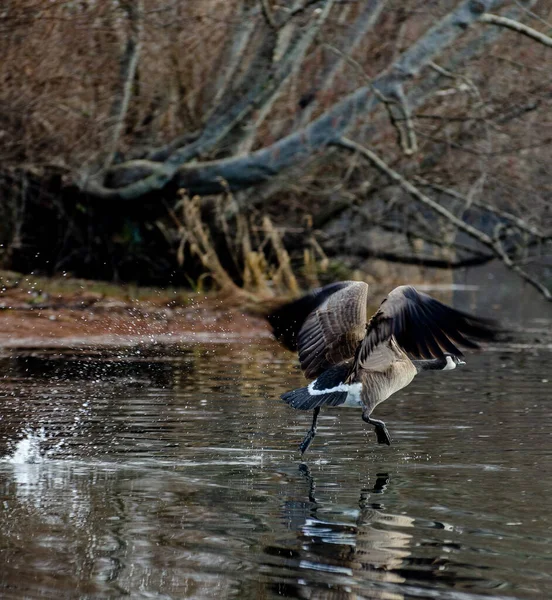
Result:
[[304, 399]]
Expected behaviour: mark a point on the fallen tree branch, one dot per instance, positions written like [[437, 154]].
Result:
[[246, 171], [518, 27], [418, 195], [314, 138], [161, 153], [419, 94]]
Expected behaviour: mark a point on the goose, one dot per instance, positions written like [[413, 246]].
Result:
[[355, 363]]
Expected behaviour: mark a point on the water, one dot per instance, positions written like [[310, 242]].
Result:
[[173, 473]]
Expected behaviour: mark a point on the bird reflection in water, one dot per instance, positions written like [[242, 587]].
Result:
[[370, 555], [348, 548]]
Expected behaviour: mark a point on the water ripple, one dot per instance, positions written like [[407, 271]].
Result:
[[163, 475]]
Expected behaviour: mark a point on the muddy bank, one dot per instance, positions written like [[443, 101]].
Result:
[[37, 311]]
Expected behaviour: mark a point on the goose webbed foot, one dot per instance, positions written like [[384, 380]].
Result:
[[304, 445], [382, 434]]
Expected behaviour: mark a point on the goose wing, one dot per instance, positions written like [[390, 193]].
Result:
[[332, 332], [287, 320], [381, 358], [422, 326]]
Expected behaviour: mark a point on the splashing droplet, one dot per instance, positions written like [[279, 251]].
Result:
[[27, 450]]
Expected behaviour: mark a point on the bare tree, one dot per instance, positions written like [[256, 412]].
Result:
[[424, 121]]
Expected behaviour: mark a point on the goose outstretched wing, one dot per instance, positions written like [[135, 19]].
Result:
[[422, 326], [287, 320], [325, 326], [332, 332]]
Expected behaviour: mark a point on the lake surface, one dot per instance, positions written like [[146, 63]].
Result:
[[159, 472]]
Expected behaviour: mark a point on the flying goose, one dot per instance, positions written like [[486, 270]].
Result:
[[357, 364]]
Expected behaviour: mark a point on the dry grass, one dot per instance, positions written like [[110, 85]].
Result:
[[262, 278]]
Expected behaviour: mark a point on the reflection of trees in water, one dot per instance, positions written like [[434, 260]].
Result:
[[236, 387], [89, 400], [49, 526], [73, 528], [162, 529]]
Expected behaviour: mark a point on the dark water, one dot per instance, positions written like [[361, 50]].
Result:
[[173, 474]]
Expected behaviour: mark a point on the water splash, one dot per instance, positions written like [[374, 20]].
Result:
[[27, 450]]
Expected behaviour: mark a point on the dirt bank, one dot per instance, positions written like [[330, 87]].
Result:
[[36, 311]]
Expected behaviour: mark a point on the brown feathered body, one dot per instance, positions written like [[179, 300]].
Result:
[[380, 382]]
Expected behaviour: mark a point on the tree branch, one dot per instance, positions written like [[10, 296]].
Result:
[[233, 51], [129, 63], [520, 223], [518, 27], [267, 13], [286, 68], [363, 24], [422, 261], [242, 172], [483, 238], [397, 104], [320, 133], [421, 92], [440, 242]]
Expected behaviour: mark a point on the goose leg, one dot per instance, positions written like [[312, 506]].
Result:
[[381, 430], [303, 446]]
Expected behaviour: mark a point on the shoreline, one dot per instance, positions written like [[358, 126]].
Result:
[[64, 327], [62, 312], [42, 312]]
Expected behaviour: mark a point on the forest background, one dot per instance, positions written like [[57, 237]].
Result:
[[258, 147]]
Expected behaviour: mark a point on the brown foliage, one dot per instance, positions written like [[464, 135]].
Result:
[[482, 129], [60, 70]]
